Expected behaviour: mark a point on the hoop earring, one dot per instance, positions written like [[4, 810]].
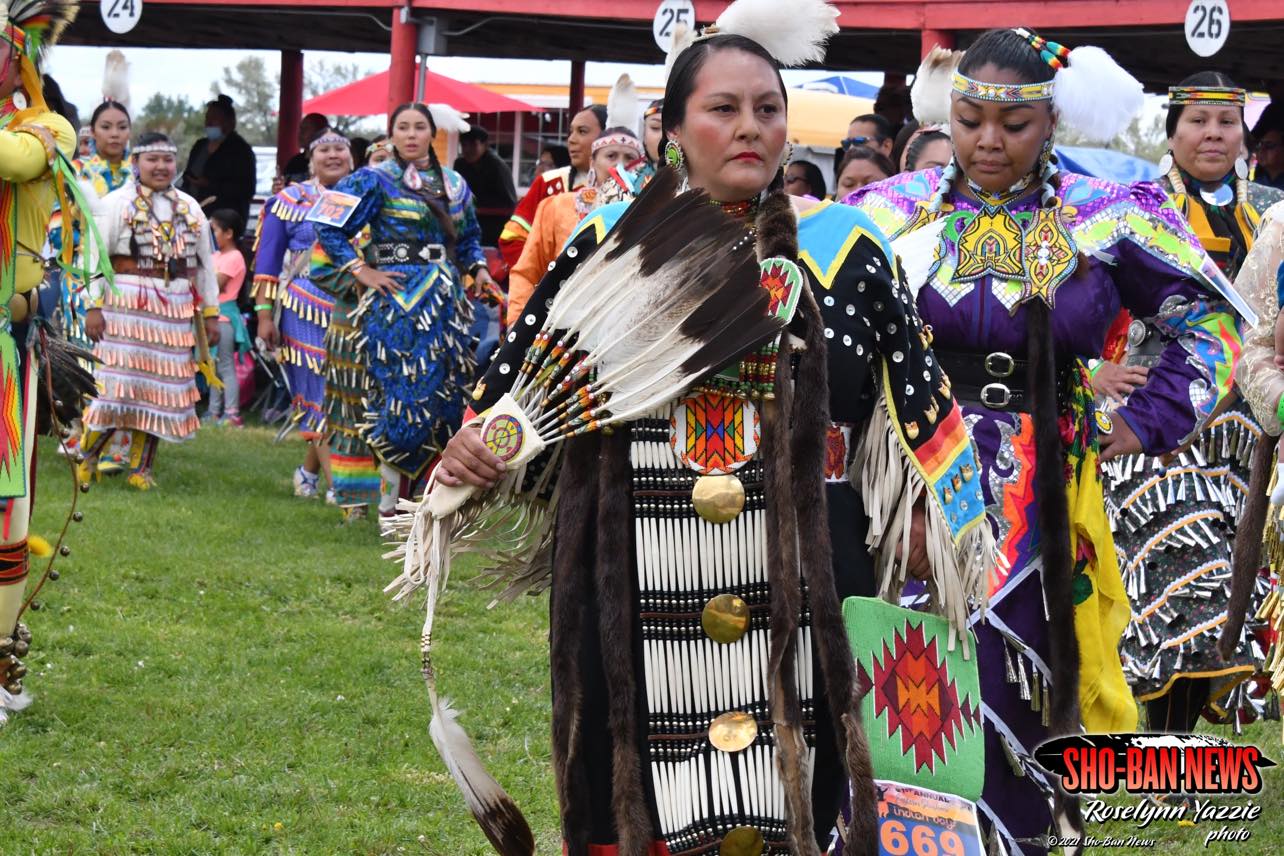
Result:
[[674, 157]]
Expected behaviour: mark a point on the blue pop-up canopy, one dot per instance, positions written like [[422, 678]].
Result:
[[1104, 163]]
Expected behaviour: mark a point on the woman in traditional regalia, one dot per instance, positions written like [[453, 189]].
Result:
[[405, 311], [144, 328], [36, 177], [1029, 271], [282, 283], [704, 694], [1179, 553]]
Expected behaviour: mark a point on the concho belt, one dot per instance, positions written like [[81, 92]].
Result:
[[406, 253]]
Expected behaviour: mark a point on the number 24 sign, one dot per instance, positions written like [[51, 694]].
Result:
[[120, 16]]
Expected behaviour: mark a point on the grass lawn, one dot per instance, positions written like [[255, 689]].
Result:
[[218, 672]]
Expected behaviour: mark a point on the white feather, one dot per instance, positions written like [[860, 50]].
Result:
[[447, 118], [683, 37], [917, 252], [493, 808], [930, 94], [1095, 96], [622, 105], [116, 78], [793, 32]]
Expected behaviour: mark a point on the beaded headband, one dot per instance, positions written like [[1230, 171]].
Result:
[[329, 138], [1013, 93], [157, 147], [619, 139], [1216, 96]]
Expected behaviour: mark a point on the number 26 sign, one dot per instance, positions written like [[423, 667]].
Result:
[[120, 16], [1207, 26]]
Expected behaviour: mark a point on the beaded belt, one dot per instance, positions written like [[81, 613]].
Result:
[[408, 253]]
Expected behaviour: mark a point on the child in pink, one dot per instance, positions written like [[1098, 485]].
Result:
[[229, 267]]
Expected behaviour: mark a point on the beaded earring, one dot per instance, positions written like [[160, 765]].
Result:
[[674, 157], [1048, 169]]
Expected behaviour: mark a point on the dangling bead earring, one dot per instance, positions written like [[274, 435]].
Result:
[[1241, 180], [674, 157]]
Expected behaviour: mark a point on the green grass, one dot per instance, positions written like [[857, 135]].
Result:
[[218, 659]]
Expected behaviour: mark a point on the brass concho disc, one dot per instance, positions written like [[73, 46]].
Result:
[[733, 731], [742, 841], [718, 499], [725, 618]]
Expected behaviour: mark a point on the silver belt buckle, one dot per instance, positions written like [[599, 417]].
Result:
[[996, 395], [999, 364]]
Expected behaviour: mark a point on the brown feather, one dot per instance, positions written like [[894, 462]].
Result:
[[1247, 558]]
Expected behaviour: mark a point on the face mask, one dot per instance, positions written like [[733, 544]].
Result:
[[213, 133]]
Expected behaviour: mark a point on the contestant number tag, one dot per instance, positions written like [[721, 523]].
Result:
[[668, 16], [1207, 26], [918, 822], [120, 16]]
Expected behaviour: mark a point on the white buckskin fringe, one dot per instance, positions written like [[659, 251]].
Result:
[[890, 485]]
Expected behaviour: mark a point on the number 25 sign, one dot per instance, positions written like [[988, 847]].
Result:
[[120, 16]]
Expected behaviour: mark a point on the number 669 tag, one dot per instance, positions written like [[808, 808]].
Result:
[[919, 822], [1207, 26]]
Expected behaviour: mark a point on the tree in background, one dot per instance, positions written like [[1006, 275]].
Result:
[[182, 120], [1144, 138], [256, 94], [320, 77]]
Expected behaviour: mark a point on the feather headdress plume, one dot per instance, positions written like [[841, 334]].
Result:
[[116, 78], [930, 94], [34, 26], [683, 38], [794, 33], [622, 104], [1095, 96], [447, 118]]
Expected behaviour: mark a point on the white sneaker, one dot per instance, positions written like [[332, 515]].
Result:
[[305, 483]]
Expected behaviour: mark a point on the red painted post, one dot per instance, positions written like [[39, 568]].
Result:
[[932, 38], [403, 48], [290, 107], [576, 102]]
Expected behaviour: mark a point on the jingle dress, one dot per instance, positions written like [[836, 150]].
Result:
[[282, 268], [637, 673], [1175, 526], [159, 242], [407, 355], [1119, 245]]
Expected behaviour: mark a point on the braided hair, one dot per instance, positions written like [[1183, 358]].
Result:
[[438, 202]]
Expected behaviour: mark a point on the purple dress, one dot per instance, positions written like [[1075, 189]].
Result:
[[1132, 249], [281, 267]]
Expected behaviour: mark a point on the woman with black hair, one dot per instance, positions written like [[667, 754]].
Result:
[[586, 126], [220, 171], [804, 178], [143, 324], [860, 166], [686, 537], [1176, 674], [402, 312], [1030, 268]]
